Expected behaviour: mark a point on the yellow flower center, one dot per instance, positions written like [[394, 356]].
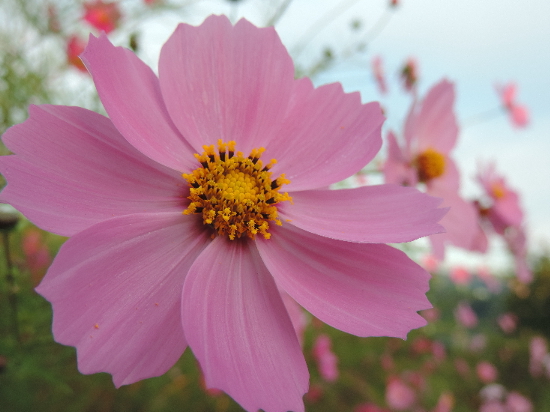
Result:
[[429, 165], [235, 194], [498, 190]]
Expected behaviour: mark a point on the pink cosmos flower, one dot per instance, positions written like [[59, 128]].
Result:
[[430, 134], [445, 403], [516, 402], [369, 407], [465, 315], [103, 16], [519, 114], [503, 206], [378, 72], [508, 322], [460, 275], [75, 47], [500, 210], [537, 352], [486, 372], [327, 361], [399, 396], [180, 235]]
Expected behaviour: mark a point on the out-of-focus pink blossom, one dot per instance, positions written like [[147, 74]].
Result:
[[493, 392], [327, 361], [504, 209], [431, 315], [465, 315], [101, 15], [369, 407], [537, 351], [399, 396], [460, 275], [516, 240], [486, 372], [430, 263], [439, 351], [409, 74], [379, 76], [394, 3], [36, 252], [75, 47], [516, 402], [508, 322], [445, 403], [421, 345], [492, 406], [519, 114], [314, 394], [423, 158]]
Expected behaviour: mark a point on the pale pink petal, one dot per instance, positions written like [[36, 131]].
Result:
[[363, 289], [225, 82], [435, 124], [460, 223], [73, 169], [507, 93], [446, 183], [115, 290], [397, 168], [328, 136], [297, 315], [509, 209], [238, 328], [130, 93], [519, 115], [373, 214]]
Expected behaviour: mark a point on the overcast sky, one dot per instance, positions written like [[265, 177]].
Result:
[[475, 43]]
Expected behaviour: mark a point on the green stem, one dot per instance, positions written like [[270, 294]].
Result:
[[12, 287]]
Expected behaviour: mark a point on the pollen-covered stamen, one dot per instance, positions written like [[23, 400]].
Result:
[[235, 194], [429, 165]]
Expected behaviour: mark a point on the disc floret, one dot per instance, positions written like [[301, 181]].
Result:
[[429, 165], [235, 194]]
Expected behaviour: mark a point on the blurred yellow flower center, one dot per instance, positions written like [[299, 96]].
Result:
[[235, 194], [429, 165], [498, 190]]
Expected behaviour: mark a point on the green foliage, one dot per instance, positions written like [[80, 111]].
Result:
[[532, 305]]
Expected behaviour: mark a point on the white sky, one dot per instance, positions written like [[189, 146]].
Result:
[[475, 43]]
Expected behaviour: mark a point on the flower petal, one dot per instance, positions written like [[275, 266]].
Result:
[[72, 169], [130, 93], [238, 328], [363, 289], [397, 167], [373, 214], [327, 136], [225, 82], [116, 288], [434, 122], [461, 226]]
